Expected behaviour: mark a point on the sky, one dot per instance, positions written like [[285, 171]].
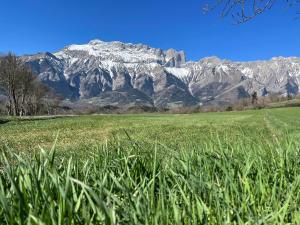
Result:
[[31, 26]]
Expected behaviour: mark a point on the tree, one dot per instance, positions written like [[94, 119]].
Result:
[[26, 87], [254, 98], [53, 103], [290, 96], [23, 90], [9, 70], [244, 10]]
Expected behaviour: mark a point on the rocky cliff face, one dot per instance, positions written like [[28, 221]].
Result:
[[125, 75]]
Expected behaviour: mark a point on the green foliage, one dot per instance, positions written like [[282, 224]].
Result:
[[215, 168]]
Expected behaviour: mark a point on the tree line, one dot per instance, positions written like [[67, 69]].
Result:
[[24, 94]]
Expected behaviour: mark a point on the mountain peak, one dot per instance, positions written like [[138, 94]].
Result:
[[109, 70], [113, 52], [212, 59], [95, 42]]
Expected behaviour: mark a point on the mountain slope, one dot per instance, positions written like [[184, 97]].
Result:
[[126, 75]]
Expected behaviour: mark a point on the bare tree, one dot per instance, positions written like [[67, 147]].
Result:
[[9, 70], [26, 87], [53, 103], [243, 10], [23, 90], [254, 97], [38, 98]]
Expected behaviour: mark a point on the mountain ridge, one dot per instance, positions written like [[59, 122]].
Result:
[[144, 76]]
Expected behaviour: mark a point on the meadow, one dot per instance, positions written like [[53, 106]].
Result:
[[206, 168]]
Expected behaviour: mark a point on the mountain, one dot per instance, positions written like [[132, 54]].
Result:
[[129, 75]]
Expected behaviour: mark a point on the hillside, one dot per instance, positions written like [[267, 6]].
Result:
[[128, 75]]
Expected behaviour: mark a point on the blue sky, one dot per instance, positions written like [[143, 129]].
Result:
[[30, 26]]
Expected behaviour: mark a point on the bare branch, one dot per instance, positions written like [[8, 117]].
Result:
[[243, 10]]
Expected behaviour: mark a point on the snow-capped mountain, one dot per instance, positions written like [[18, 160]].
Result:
[[124, 75]]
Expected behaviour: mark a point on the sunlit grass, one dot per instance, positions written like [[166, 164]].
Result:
[[215, 168]]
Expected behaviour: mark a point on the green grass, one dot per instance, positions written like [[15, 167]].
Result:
[[209, 168], [289, 103]]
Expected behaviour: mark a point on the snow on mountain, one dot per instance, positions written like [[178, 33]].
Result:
[[114, 52], [115, 73], [178, 72]]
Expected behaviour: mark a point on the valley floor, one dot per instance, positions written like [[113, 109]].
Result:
[[207, 168], [76, 132]]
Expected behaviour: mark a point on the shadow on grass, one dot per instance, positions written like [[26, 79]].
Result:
[[3, 121], [38, 118], [28, 119]]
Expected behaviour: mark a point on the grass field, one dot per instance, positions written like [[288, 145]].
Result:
[[208, 168]]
